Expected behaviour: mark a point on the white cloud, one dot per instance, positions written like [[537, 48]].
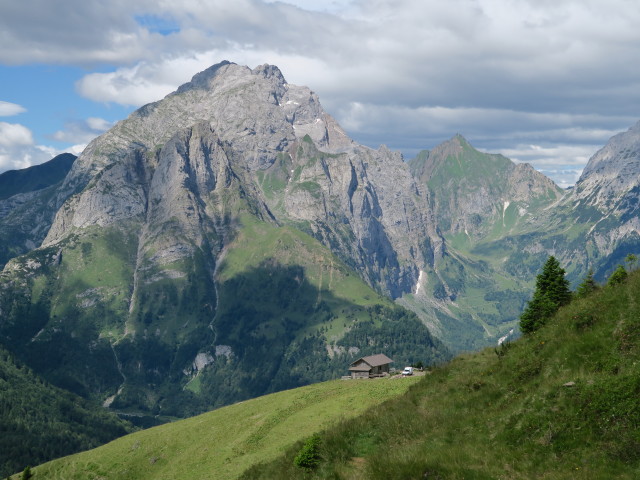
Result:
[[98, 124], [18, 150], [14, 134], [8, 109]]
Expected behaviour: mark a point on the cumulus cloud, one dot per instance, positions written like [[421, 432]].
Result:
[[14, 134], [17, 148], [8, 109]]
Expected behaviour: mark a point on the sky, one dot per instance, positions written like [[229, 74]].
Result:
[[546, 82]]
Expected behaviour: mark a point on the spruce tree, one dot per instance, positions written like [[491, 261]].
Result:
[[587, 286], [552, 292]]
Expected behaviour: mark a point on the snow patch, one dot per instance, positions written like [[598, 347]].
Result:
[[504, 210], [501, 340]]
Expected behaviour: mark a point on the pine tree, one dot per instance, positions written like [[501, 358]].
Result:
[[618, 276], [26, 473], [587, 286], [552, 292]]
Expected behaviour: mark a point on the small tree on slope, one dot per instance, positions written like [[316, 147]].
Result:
[[552, 292], [587, 286]]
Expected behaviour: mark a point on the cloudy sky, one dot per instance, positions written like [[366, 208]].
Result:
[[542, 81]]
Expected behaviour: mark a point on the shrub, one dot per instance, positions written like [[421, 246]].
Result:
[[309, 455]]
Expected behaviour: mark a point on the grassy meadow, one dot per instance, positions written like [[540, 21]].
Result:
[[223, 443]]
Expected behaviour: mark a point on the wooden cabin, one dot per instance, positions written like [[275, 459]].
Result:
[[371, 366]]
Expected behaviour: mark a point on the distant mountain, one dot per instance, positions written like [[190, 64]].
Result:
[[593, 226], [13, 182], [480, 195], [501, 221], [28, 204]]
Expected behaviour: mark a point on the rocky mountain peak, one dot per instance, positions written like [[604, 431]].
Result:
[[203, 79], [612, 171]]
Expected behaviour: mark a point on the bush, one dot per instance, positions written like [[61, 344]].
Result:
[[309, 455]]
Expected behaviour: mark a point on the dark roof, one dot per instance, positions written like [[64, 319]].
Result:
[[374, 360]]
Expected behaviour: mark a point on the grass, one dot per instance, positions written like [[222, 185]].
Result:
[[345, 294], [559, 404], [223, 443]]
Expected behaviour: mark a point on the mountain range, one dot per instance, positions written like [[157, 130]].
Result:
[[231, 240]]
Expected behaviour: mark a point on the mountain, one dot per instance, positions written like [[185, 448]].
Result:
[[212, 248], [40, 422], [476, 199], [230, 240], [593, 226], [26, 207], [502, 220], [480, 195], [13, 182]]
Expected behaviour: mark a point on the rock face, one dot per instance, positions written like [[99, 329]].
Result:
[[139, 275], [259, 126], [610, 181]]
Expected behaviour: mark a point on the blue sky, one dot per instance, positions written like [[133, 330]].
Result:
[[547, 82]]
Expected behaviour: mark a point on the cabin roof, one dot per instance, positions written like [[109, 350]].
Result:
[[372, 361]]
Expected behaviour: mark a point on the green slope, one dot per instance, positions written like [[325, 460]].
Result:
[[223, 443], [559, 404], [39, 422]]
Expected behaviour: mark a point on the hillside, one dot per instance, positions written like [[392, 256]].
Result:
[[222, 443], [559, 404], [64, 423]]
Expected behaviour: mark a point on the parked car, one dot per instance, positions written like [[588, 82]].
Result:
[[407, 371]]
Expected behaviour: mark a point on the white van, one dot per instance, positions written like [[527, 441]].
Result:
[[407, 371]]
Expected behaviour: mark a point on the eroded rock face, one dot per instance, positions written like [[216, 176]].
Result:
[[231, 122]]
